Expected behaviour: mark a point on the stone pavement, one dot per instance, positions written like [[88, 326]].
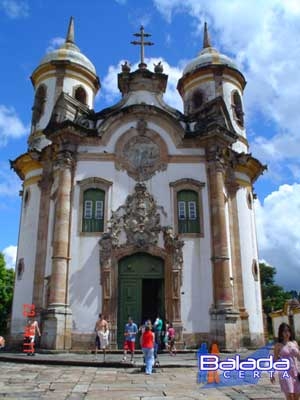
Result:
[[79, 376]]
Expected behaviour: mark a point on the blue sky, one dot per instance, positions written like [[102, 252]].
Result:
[[261, 36]]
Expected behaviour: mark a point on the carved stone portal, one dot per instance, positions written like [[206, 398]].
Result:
[[135, 227]]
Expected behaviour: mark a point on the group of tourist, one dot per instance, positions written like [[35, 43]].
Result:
[[153, 336], [152, 339]]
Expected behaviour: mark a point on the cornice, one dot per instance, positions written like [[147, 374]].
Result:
[[25, 164]]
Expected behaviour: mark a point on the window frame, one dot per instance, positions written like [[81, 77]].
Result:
[[98, 184], [190, 185], [92, 197]]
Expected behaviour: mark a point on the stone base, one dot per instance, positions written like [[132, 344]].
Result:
[[257, 340], [194, 340], [226, 329], [56, 328]]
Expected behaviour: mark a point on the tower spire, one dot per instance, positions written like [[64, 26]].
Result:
[[70, 33], [206, 38]]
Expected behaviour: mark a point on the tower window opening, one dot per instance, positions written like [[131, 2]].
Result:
[[197, 99], [237, 107], [80, 95], [39, 104]]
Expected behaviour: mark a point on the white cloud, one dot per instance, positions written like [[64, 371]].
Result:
[[14, 8], [10, 256], [55, 43], [278, 233], [11, 127], [263, 37], [111, 93]]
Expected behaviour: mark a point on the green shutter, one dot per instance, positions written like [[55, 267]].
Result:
[[93, 210], [190, 201]]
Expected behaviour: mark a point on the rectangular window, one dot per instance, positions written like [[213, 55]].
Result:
[[99, 209], [88, 209], [181, 210], [192, 210]]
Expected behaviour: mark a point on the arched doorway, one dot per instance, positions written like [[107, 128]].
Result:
[[141, 292]]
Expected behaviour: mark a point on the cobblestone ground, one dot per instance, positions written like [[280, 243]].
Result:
[[27, 381]]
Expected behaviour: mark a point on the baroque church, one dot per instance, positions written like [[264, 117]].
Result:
[[138, 209]]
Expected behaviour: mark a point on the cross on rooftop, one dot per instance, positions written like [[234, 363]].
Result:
[[142, 43]]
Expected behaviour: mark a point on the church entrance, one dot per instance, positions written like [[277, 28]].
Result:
[[140, 290]]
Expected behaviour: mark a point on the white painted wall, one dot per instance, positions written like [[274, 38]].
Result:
[[85, 290], [143, 97], [252, 292], [68, 85], [228, 88], [207, 88], [297, 325], [240, 147], [50, 85], [26, 250], [277, 321], [71, 83]]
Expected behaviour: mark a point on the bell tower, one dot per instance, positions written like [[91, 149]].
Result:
[[211, 75], [66, 70]]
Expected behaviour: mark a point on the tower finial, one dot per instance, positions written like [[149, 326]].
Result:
[[206, 38], [142, 43], [70, 33]]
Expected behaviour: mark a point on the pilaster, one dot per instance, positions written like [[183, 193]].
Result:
[[238, 288], [42, 237], [220, 256], [58, 317], [224, 318]]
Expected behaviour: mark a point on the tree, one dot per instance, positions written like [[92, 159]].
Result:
[[273, 296], [6, 292]]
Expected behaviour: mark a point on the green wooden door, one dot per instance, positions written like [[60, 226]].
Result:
[[136, 274]]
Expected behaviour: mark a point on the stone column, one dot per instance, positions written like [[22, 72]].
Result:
[[223, 316], [174, 264], [238, 287], [58, 318], [42, 238], [222, 287]]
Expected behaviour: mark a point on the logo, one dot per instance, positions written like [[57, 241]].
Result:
[[237, 371]]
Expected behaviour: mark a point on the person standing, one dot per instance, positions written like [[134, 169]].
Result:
[[102, 330], [147, 343], [31, 330], [2, 342], [158, 325], [130, 333], [166, 336], [287, 348], [171, 339]]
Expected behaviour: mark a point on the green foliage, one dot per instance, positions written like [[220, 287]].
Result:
[[273, 296], [7, 277]]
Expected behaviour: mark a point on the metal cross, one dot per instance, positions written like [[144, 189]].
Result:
[[142, 43]]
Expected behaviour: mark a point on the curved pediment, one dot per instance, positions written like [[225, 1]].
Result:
[[169, 123]]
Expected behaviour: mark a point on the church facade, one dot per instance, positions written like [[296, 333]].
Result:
[[138, 209]]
